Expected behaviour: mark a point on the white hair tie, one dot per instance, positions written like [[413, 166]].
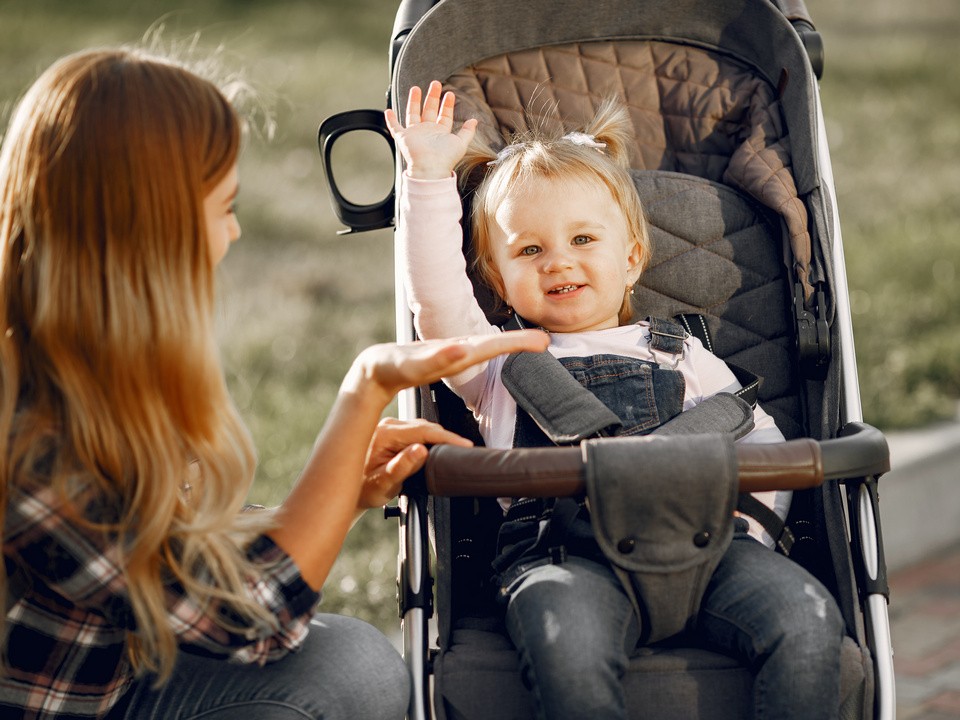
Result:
[[505, 152], [577, 138], [581, 138]]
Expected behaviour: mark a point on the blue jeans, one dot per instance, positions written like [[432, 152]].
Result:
[[574, 630], [346, 670]]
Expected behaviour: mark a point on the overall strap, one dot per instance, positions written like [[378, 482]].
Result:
[[696, 326], [666, 336], [565, 410]]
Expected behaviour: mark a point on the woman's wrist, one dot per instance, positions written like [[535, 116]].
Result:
[[361, 386]]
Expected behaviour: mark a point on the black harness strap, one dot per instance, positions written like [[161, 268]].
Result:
[[749, 382], [748, 505], [782, 535]]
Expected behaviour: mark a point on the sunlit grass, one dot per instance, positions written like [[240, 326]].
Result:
[[891, 96]]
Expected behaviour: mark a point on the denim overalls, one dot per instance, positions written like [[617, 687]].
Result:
[[643, 395], [574, 628]]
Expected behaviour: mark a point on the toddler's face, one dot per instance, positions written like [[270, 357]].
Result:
[[219, 209], [564, 254]]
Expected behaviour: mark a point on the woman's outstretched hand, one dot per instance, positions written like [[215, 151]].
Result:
[[428, 144], [390, 368], [357, 463]]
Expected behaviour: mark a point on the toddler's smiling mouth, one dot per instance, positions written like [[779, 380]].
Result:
[[563, 289]]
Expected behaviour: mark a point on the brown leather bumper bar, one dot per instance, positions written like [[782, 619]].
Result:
[[557, 472], [860, 450]]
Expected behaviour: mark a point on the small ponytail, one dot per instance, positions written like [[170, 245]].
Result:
[[474, 164], [611, 126]]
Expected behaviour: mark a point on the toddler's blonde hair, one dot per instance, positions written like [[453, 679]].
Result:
[[540, 154]]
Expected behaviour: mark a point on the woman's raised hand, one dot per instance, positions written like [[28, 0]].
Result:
[[428, 144]]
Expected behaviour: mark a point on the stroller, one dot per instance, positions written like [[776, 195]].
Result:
[[732, 166]]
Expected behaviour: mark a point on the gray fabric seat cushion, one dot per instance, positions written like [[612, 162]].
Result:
[[479, 677]]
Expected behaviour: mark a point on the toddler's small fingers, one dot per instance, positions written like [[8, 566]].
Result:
[[413, 106], [393, 124], [431, 105], [468, 130], [446, 108]]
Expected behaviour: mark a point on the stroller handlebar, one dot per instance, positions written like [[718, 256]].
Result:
[[860, 450]]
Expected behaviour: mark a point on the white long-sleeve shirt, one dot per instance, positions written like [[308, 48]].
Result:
[[440, 296]]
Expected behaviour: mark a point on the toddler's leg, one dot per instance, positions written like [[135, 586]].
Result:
[[779, 619], [574, 629], [345, 671]]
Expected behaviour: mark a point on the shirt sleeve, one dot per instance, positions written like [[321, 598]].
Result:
[[82, 563], [433, 269]]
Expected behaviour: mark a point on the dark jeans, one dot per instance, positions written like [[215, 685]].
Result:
[[347, 670], [574, 629]]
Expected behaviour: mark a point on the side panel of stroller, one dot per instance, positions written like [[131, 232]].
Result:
[[747, 34]]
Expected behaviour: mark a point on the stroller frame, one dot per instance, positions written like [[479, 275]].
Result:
[[856, 455]]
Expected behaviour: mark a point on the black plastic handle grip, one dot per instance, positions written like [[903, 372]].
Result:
[[358, 218]]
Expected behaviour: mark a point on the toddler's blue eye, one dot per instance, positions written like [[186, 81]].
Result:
[[530, 250], [581, 240]]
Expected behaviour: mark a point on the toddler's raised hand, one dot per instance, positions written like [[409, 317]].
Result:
[[428, 144]]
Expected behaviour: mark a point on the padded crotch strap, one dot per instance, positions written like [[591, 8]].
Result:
[[663, 523]]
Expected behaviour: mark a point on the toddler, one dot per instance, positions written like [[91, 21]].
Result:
[[559, 235]]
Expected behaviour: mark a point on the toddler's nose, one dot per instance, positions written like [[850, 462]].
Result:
[[556, 260]]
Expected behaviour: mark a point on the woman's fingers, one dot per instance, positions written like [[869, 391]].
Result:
[[451, 357], [395, 367], [395, 434], [398, 449]]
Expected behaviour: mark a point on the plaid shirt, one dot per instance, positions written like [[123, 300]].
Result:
[[69, 613]]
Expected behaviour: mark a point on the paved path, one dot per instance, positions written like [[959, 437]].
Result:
[[925, 629]]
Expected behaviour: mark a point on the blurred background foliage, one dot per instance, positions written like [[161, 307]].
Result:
[[298, 301]]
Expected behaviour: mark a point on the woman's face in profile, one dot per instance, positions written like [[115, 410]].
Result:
[[220, 214]]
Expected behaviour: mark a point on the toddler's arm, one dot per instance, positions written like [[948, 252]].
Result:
[[429, 236]]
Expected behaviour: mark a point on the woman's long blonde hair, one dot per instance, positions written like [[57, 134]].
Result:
[[109, 372], [542, 153]]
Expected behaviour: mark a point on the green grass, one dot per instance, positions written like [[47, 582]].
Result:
[[891, 96], [298, 302]]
